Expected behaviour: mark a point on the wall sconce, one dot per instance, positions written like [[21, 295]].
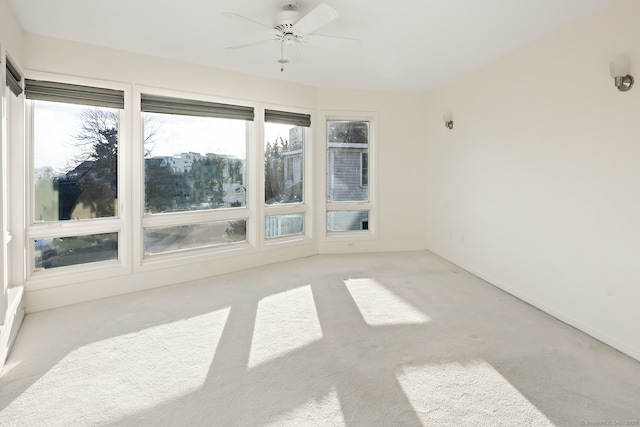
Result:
[[620, 72], [448, 120]]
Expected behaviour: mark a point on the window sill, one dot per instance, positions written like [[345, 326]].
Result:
[[351, 235], [189, 256], [286, 241], [75, 274]]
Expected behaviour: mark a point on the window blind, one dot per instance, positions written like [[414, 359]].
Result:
[[41, 90], [13, 78], [287, 118], [189, 107]]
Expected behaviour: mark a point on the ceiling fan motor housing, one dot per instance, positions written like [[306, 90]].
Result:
[[285, 19], [289, 39]]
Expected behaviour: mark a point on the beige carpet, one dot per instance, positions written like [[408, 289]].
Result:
[[402, 339]]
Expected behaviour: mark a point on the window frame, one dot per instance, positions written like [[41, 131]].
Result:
[[38, 279], [371, 205], [12, 133], [130, 222], [304, 207], [6, 127], [147, 262]]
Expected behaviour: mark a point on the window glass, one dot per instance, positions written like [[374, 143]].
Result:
[[347, 161], [283, 163], [75, 153], [283, 225], [64, 251], [347, 220], [194, 163], [174, 238]]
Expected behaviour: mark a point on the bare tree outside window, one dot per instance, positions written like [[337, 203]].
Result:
[[76, 161]]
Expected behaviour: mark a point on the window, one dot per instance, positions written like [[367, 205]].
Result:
[[188, 188], [347, 141], [283, 225], [75, 173], [192, 236], [284, 176], [75, 155], [74, 250], [348, 190], [195, 159], [193, 163], [347, 220]]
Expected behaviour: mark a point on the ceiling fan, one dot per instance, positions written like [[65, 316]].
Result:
[[292, 29]]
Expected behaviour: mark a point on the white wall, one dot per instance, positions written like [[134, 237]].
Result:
[[400, 154], [10, 32], [78, 59], [537, 187]]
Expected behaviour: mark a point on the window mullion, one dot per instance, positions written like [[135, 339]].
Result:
[[60, 229]]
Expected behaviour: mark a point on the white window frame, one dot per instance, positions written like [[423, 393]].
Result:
[[370, 205], [305, 207], [14, 187], [147, 262], [15, 211], [91, 271], [11, 255]]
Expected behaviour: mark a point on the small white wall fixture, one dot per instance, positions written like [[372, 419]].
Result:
[[619, 69]]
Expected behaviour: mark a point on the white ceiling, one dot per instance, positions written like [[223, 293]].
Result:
[[407, 45]]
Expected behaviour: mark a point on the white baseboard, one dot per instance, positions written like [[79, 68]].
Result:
[[12, 323]]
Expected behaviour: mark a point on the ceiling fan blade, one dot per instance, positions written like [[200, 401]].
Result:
[[247, 20], [297, 53], [242, 46], [319, 16], [331, 41]]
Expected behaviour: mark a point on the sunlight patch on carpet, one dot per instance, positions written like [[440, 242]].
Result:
[[327, 408], [285, 322], [379, 306], [466, 394], [148, 366]]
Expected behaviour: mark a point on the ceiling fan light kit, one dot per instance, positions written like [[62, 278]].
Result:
[[292, 29]]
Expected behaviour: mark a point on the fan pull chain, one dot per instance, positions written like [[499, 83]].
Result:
[[282, 55], [282, 61]]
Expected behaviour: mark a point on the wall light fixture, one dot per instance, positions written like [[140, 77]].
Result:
[[448, 120], [619, 68]]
